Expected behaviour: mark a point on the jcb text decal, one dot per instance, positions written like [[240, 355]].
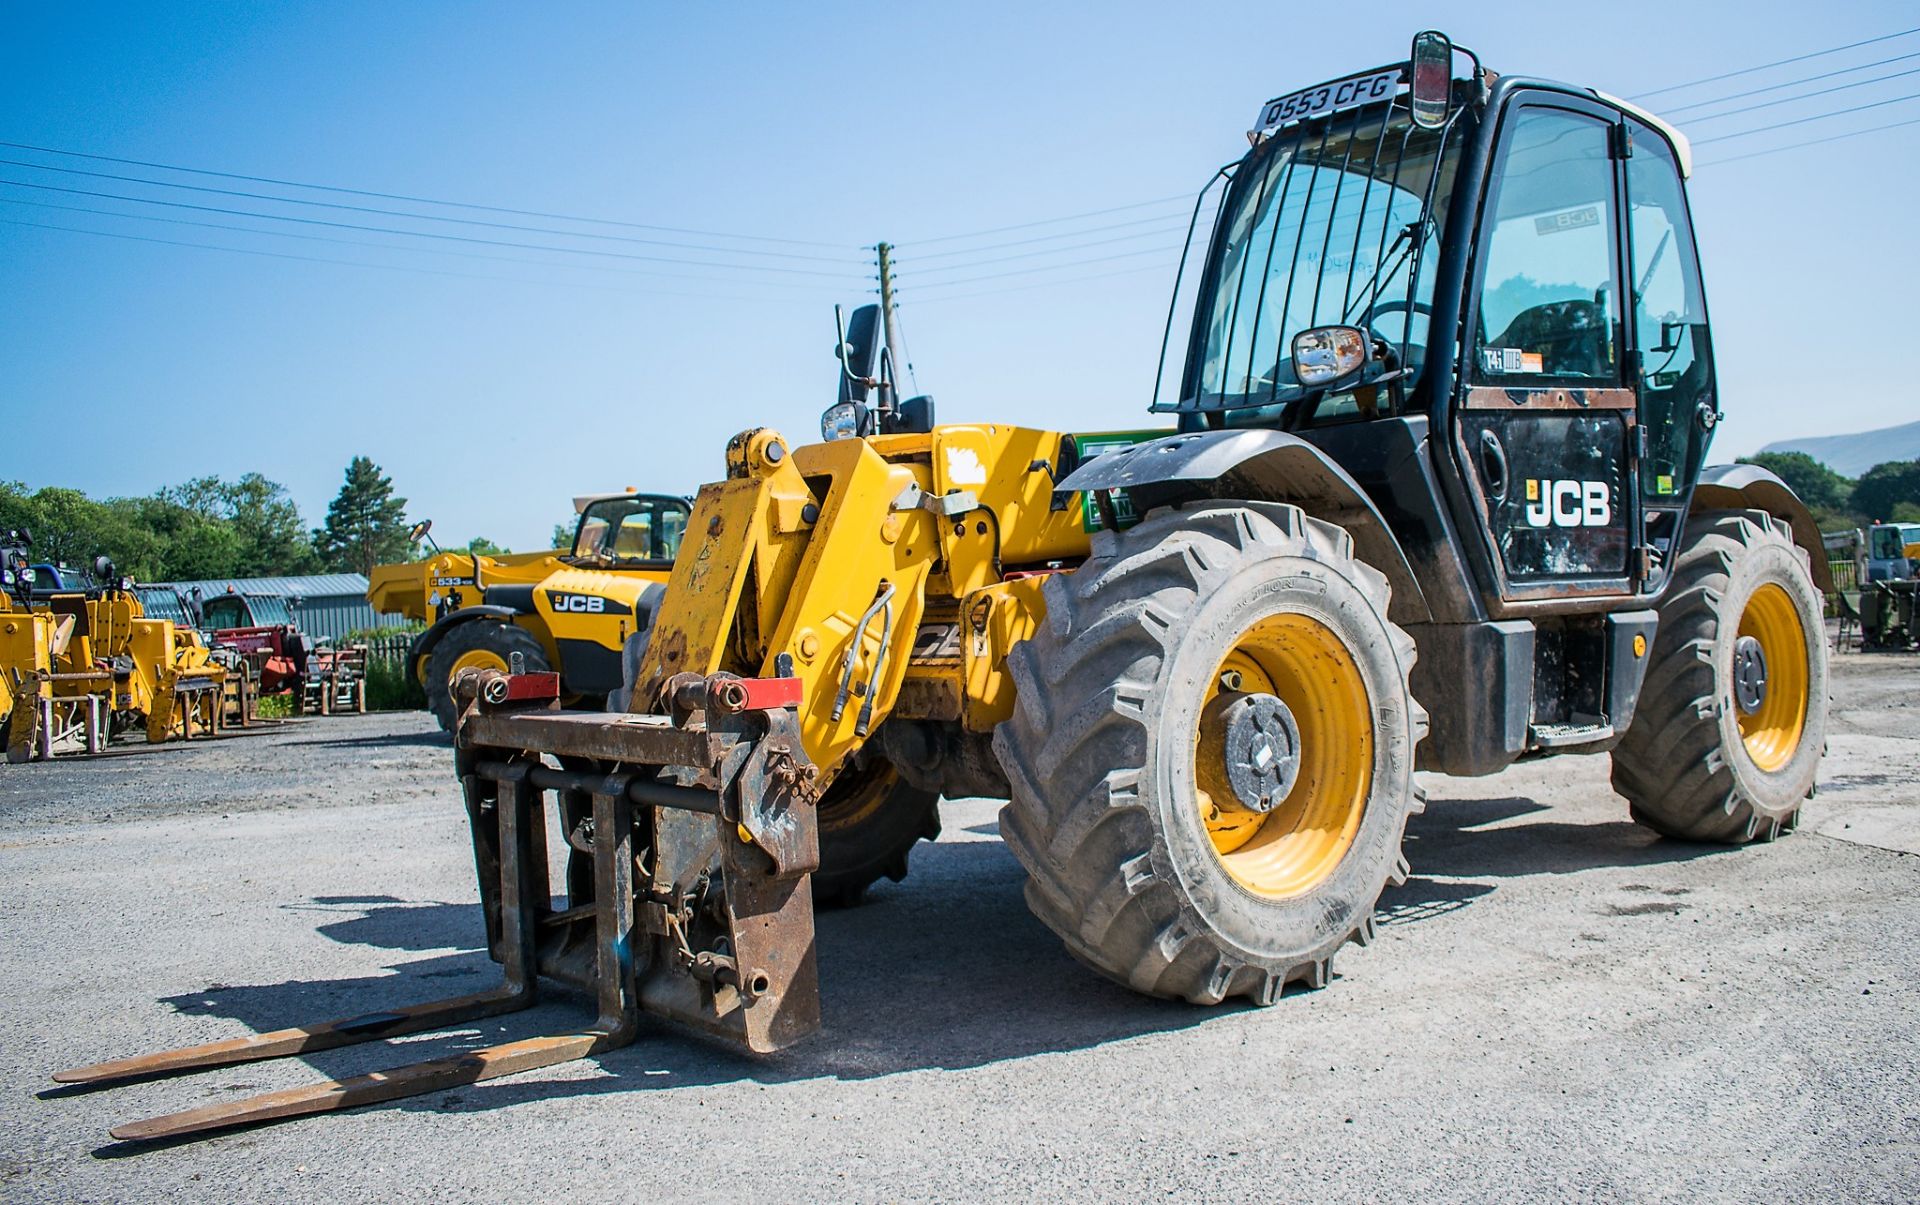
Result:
[[1554, 503], [586, 604]]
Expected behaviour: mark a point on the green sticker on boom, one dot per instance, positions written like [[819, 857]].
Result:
[[1098, 444]]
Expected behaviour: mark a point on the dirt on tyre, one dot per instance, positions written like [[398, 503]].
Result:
[[870, 820], [1732, 717], [481, 644], [1211, 752]]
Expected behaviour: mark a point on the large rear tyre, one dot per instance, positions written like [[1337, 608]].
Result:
[[477, 644], [870, 820], [1211, 752], [1732, 718]]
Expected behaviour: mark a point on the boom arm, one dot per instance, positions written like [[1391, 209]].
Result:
[[758, 595]]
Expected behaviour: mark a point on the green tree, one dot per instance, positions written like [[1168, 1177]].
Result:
[[268, 538], [366, 525], [1882, 488], [563, 534], [1818, 486], [70, 528], [204, 528], [482, 546]]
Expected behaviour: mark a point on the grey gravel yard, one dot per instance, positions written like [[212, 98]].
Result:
[[1560, 1006]]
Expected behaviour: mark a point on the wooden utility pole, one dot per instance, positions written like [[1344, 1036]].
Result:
[[890, 331]]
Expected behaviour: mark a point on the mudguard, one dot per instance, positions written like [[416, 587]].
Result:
[[424, 643], [1260, 466], [1750, 487]]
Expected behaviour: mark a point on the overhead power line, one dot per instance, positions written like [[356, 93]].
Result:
[[1049, 284], [1668, 111], [1093, 213], [230, 228], [1156, 232], [1047, 268], [1794, 146], [1799, 121], [414, 269], [419, 217], [1798, 58], [424, 234], [1787, 100], [389, 196], [1044, 238]]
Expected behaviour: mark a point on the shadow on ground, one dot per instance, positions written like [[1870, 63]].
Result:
[[947, 970], [394, 740]]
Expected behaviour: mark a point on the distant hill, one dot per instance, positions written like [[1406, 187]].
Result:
[[1852, 455]]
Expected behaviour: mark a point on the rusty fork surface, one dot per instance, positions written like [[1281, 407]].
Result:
[[523, 904]]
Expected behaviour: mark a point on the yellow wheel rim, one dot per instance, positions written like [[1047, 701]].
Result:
[[1295, 846], [1772, 731], [855, 796], [477, 659]]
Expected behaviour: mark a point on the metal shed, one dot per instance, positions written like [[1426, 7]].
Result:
[[331, 604]]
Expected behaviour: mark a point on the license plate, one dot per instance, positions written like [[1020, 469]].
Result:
[[1327, 98]]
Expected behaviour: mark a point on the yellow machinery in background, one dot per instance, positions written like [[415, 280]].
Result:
[[569, 611], [73, 663], [33, 644], [32, 719], [151, 672]]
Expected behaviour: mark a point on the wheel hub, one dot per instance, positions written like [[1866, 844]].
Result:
[[1749, 675], [1258, 759]]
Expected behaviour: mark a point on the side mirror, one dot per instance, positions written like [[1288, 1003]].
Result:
[[1327, 355], [1432, 79], [859, 353], [916, 415], [419, 531], [103, 570]]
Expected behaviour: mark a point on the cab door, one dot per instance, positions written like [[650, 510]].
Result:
[[1670, 353], [1546, 420]]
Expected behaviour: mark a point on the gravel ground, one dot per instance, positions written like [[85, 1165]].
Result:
[[1561, 1005]]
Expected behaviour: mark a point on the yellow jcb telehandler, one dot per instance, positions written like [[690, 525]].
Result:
[[569, 611], [1434, 496]]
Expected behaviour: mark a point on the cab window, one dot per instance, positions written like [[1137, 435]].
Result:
[[228, 611], [632, 529], [1549, 303]]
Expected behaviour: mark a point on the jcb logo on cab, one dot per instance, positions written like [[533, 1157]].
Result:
[[586, 604], [1552, 503]]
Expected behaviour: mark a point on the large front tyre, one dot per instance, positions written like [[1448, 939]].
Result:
[[1732, 718], [476, 644], [1211, 752]]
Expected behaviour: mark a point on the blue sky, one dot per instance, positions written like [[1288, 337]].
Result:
[[494, 389]]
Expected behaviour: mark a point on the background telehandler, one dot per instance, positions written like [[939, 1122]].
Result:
[[570, 612], [1434, 497]]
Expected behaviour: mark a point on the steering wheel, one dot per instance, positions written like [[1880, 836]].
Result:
[[1379, 308]]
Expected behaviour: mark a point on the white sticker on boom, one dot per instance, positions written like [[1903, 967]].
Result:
[[964, 467]]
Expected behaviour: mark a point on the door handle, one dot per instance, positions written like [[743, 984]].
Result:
[[1493, 465]]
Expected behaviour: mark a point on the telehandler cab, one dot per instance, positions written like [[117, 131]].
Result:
[[1434, 497]]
